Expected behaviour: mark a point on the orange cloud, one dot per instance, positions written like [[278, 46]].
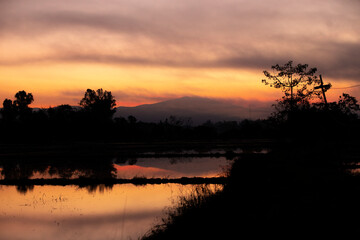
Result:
[[166, 50]]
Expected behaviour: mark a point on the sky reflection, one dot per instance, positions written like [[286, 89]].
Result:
[[163, 167], [70, 212]]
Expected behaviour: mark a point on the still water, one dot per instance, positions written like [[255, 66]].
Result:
[[125, 211], [172, 167], [112, 168], [120, 211]]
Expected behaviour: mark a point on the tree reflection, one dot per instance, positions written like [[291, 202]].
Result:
[[20, 170], [23, 189], [92, 188], [90, 171]]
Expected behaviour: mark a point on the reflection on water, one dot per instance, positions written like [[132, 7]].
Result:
[[100, 209], [165, 167], [69, 168], [161, 167], [102, 170], [69, 212]]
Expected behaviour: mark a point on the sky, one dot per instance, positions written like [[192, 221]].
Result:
[[146, 51]]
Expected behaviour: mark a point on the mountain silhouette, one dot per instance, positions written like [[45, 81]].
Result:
[[198, 109]]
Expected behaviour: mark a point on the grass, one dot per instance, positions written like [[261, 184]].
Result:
[[187, 211], [302, 189]]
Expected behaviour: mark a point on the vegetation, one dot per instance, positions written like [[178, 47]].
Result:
[[297, 189], [19, 108], [297, 82], [99, 105], [304, 183], [93, 121]]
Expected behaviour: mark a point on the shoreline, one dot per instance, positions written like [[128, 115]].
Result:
[[91, 181]]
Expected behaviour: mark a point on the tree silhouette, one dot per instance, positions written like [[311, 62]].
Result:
[[22, 101], [18, 107], [297, 82], [100, 103], [7, 104], [8, 112], [132, 120], [348, 104], [347, 108]]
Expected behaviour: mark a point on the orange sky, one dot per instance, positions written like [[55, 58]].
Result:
[[146, 52], [132, 85]]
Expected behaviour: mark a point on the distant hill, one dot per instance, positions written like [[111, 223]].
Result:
[[198, 109]]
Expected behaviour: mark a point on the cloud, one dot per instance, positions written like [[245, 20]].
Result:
[[186, 34], [335, 60]]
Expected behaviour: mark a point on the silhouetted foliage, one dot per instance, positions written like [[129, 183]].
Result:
[[86, 169], [93, 122], [9, 111], [132, 120], [297, 113], [326, 122], [22, 101], [297, 82], [347, 104], [304, 179], [8, 105], [100, 104], [296, 188], [19, 108]]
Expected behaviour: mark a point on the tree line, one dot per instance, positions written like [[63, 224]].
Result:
[[93, 121], [304, 112], [296, 115]]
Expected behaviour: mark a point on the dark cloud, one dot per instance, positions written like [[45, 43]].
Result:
[[343, 61], [190, 34], [333, 59]]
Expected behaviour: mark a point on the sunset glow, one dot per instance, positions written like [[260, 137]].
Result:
[[71, 212], [146, 52], [158, 119]]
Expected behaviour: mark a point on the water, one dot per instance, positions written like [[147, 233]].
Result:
[[172, 167], [120, 211], [69, 212], [112, 168]]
